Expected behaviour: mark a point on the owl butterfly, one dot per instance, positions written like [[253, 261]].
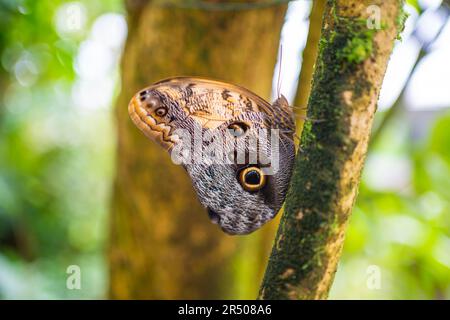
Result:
[[202, 121]]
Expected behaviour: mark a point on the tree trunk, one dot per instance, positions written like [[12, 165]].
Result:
[[349, 72], [163, 245]]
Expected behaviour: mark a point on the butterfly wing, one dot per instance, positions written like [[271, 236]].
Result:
[[197, 104]]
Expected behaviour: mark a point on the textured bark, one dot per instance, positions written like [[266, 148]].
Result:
[[163, 245], [349, 72]]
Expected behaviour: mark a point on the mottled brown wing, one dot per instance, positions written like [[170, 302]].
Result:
[[220, 86], [238, 99]]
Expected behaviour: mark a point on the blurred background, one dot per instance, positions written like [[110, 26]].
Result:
[[59, 79]]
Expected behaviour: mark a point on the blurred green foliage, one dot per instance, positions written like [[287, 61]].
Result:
[[57, 167], [56, 161], [403, 232]]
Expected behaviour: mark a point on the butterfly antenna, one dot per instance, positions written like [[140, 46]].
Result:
[[279, 71], [283, 144], [287, 133]]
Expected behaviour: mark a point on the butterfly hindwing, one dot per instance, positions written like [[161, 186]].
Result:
[[245, 186]]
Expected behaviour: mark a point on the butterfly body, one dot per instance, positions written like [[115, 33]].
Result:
[[242, 191]]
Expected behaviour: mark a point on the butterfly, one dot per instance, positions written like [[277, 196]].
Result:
[[237, 148]]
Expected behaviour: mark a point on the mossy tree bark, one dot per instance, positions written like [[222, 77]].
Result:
[[349, 71], [162, 244]]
